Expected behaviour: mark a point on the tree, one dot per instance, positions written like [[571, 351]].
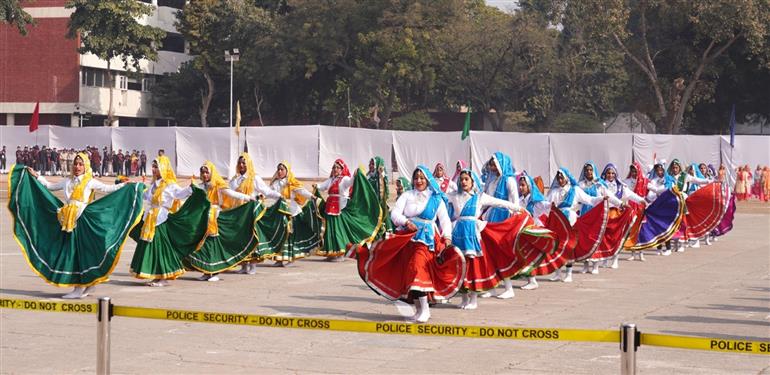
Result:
[[12, 13], [677, 45], [110, 29]]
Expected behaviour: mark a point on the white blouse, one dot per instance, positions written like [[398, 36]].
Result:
[[294, 207], [226, 191], [540, 208], [170, 193], [260, 187], [69, 184], [345, 185], [557, 194], [628, 195], [458, 200], [411, 204], [513, 190]]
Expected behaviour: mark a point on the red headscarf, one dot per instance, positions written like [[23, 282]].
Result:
[[640, 188], [345, 170], [463, 165]]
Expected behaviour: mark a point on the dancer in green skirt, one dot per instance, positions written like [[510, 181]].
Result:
[[378, 177], [229, 238], [352, 211], [304, 221], [78, 242], [271, 229], [168, 233]]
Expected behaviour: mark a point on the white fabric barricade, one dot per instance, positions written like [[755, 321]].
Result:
[[687, 148], [150, 140], [528, 151], [196, 145], [353, 145], [13, 136], [78, 138], [749, 149], [574, 150], [270, 145], [428, 148]]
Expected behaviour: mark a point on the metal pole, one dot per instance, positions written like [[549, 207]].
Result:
[[350, 117], [629, 342], [103, 316], [231, 91]]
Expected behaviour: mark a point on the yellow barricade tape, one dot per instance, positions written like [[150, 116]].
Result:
[[52, 306], [706, 343], [512, 333]]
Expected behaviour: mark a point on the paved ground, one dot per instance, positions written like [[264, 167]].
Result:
[[717, 291]]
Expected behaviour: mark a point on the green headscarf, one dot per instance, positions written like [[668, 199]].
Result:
[[380, 171]]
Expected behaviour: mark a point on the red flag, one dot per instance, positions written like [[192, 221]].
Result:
[[35, 118]]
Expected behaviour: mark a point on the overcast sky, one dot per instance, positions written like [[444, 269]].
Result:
[[506, 5]]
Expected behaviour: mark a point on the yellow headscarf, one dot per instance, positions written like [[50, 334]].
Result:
[[291, 184], [167, 177], [216, 182], [68, 214], [246, 186]]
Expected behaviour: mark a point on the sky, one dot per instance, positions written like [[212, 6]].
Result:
[[506, 5]]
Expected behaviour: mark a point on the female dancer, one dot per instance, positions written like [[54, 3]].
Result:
[[500, 182], [465, 208], [246, 181], [637, 183], [168, 233], [444, 182], [378, 177], [229, 238], [402, 185], [305, 229], [76, 243], [567, 196], [535, 203], [414, 264], [684, 182], [352, 211]]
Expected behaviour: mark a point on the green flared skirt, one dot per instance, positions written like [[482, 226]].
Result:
[[358, 223], [174, 240], [87, 255], [272, 232], [234, 243], [305, 235]]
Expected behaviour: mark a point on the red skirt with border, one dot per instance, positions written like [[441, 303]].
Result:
[[395, 266], [619, 225], [559, 225], [589, 229]]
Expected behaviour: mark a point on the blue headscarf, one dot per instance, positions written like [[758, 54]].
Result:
[[569, 199], [477, 187], [535, 195], [598, 179], [668, 181], [505, 168], [425, 232], [697, 173]]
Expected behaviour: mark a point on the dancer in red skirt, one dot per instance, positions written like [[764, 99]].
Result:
[[535, 203], [465, 208], [414, 264], [637, 183]]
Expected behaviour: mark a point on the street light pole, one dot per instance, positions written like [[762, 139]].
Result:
[[231, 57]]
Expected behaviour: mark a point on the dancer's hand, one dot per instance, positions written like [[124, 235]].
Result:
[[32, 172], [410, 225]]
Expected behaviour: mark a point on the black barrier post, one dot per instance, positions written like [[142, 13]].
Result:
[[629, 342], [103, 317]]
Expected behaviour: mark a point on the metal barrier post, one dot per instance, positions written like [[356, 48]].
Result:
[[629, 342], [103, 316]]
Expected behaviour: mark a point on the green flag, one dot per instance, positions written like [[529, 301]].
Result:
[[467, 126]]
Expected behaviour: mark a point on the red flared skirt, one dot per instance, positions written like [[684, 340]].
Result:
[[619, 224], [395, 266], [590, 229], [705, 208], [559, 225]]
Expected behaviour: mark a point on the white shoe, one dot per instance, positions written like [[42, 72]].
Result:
[[465, 301], [424, 315], [89, 290], [76, 293], [213, 278], [696, 245], [244, 268], [508, 294], [679, 249], [473, 303], [158, 283], [605, 263], [568, 278], [586, 268], [556, 276], [708, 240], [641, 256], [614, 264], [252, 269], [531, 285], [595, 269], [665, 253], [486, 294], [632, 257], [203, 277]]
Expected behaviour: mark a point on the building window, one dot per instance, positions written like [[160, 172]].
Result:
[[148, 83], [94, 77], [122, 82], [134, 84], [176, 4], [173, 42]]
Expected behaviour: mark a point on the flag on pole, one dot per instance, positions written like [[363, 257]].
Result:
[[238, 117], [732, 127], [35, 118], [467, 125]]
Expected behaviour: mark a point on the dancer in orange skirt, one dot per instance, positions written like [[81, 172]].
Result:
[[414, 264]]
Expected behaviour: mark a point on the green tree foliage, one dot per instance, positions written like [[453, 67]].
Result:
[[111, 29], [12, 13]]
